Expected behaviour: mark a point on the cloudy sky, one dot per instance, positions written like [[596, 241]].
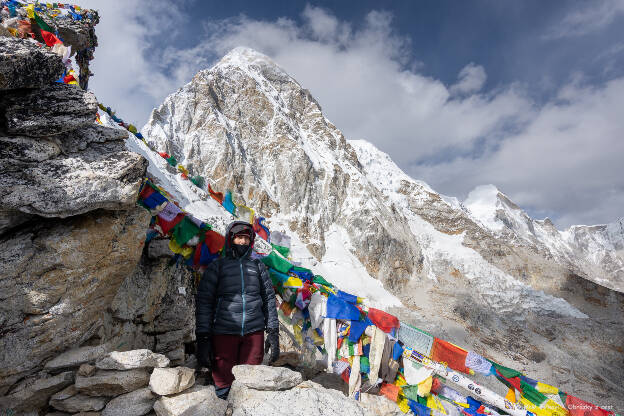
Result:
[[525, 95]]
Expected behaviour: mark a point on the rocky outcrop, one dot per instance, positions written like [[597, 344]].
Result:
[[70, 233], [48, 111], [26, 65]]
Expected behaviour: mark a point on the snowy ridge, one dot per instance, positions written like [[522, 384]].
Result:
[[500, 290], [594, 251]]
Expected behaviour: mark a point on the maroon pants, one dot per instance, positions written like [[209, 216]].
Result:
[[231, 350]]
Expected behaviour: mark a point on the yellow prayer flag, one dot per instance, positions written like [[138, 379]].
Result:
[[403, 404], [546, 389], [186, 252], [30, 11], [434, 403], [293, 282], [511, 395], [424, 388]]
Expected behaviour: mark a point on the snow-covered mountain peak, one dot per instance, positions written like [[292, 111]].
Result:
[[243, 57]]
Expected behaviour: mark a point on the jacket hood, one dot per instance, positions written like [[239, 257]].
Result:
[[234, 228]]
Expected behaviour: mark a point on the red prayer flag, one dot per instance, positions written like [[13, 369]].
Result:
[[514, 381], [167, 226], [578, 407], [214, 241], [448, 353], [383, 320], [146, 191], [49, 38], [391, 391], [68, 78], [197, 255], [217, 196], [164, 155]]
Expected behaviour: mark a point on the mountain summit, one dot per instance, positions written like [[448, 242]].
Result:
[[481, 273]]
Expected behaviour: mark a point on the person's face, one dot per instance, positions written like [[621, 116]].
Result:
[[241, 239]]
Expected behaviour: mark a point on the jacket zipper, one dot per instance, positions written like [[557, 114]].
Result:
[[243, 293], [214, 319]]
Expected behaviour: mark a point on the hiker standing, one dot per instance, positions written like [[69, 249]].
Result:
[[235, 305]]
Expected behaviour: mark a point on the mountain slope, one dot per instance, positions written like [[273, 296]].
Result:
[[355, 217]]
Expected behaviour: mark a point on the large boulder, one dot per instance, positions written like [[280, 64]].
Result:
[[112, 383], [263, 377], [307, 398], [70, 400], [197, 401], [45, 178], [51, 110], [127, 360], [57, 278], [33, 393], [136, 403], [23, 64], [166, 381]]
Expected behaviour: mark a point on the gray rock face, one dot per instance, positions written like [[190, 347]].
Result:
[[307, 398], [43, 181], [48, 111], [136, 403], [33, 394], [23, 64], [166, 381], [264, 377], [57, 279], [197, 401], [71, 401], [112, 383], [127, 360], [86, 370]]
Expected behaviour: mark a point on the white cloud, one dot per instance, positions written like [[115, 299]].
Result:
[[592, 17], [471, 79], [126, 78], [560, 159]]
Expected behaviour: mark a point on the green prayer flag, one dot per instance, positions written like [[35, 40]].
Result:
[[184, 231], [506, 371], [321, 280], [198, 181], [276, 262], [422, 400], [172, 161], [364, 364], [43, 25], [410, 392], [532, 394], [284, 251]]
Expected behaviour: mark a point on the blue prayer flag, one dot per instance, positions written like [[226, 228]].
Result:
[[347, 297], [339, 309], [357, 329], [418, 409], [155, 199]]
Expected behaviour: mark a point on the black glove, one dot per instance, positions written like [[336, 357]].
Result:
[[204, 350], [272, 343]]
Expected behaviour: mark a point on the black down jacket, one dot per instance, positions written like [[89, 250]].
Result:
[[235, 294]]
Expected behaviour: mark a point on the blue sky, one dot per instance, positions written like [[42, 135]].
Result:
[[526, 95]]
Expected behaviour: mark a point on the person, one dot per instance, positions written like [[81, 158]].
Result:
[[235, 304]]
